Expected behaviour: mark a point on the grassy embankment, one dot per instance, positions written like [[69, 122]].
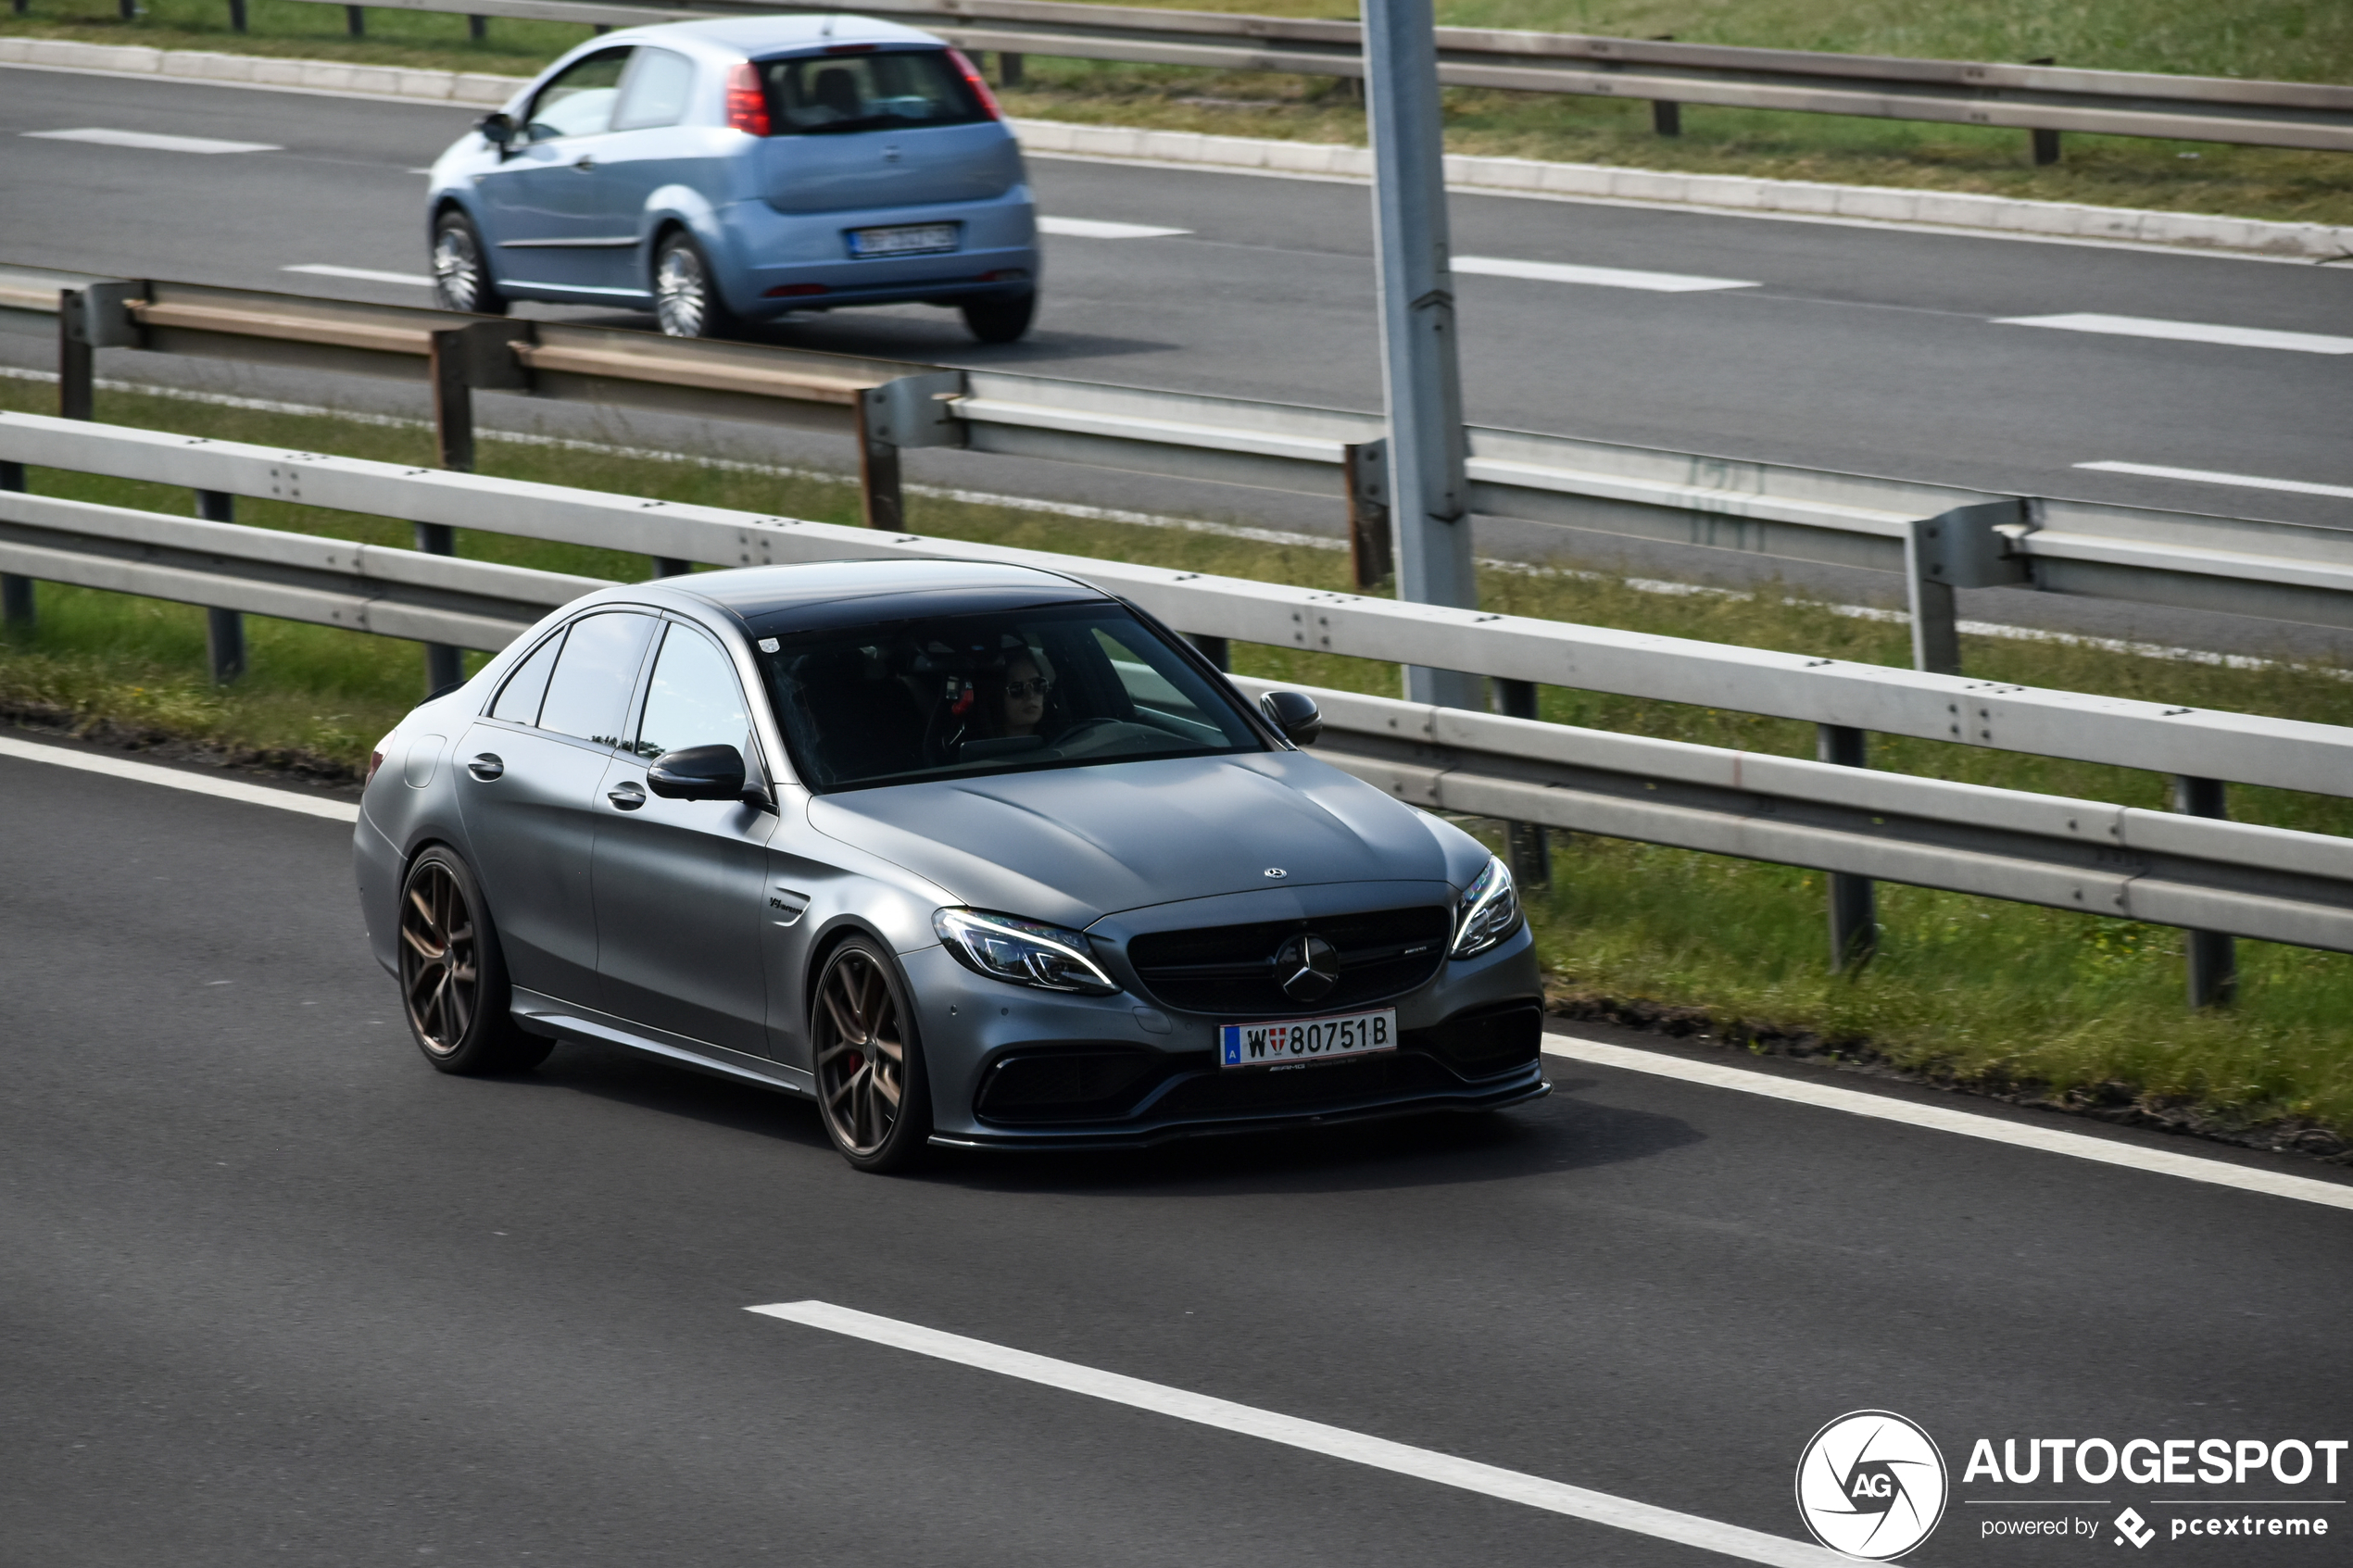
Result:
[[2284, 39], [1979, 989]]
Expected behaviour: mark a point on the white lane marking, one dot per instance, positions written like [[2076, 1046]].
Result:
[[2021, 1134], [1511, 1485], [172, 778], [2183, 332], [1599, 277], [1099, 229], [2209, 476], [148, 141], [365, 275]]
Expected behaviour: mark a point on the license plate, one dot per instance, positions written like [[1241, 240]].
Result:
[[914, 239], [1299, 1040]]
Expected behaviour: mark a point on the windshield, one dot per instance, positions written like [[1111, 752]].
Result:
[[809, 94], [1057, 686]]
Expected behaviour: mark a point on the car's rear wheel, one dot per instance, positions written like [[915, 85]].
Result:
[[1000, 318], [686, 300], [871, 1088], [453, 983], [462, 277]]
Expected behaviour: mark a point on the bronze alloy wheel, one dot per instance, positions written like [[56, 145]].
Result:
[[869, 1072], [452, 984], [440, 966]]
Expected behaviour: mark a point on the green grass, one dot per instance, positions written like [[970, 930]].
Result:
[[1971, 988], [2288, 40]]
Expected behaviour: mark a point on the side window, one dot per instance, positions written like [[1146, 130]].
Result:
[[519, 698], [656, 92], [588, 696], [1155, 683], [694, 699], [578, 102]]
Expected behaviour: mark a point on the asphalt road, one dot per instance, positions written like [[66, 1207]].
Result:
[[271, 1289]]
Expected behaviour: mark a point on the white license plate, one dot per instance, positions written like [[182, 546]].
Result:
[[1299, 1040], [914, 239]]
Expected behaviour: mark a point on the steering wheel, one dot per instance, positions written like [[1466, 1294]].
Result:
[[1079, 729]]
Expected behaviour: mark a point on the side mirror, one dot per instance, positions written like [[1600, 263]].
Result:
[[698, 773], [1295, 714], [498, 130]]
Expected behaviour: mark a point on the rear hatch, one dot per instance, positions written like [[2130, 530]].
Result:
[[859, 126]]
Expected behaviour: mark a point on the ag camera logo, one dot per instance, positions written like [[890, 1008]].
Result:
[[1871, 1485]]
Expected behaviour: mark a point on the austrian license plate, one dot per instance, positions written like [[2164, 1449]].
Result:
[[1301, 1040], [912, 239]]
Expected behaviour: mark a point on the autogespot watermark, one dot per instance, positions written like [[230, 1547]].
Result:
[[1872, 1486]]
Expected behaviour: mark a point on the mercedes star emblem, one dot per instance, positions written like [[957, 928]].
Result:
[[1306, 967]]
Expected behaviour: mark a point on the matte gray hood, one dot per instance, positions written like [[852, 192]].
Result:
[[1073, 845]]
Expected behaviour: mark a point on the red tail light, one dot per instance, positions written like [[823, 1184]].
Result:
[[747, 101], [981, 88], [376, 759]]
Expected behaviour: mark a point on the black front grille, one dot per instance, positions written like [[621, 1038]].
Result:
[[1486, 1043], [1231, 969], [1078, 1085], [1322, 1085]]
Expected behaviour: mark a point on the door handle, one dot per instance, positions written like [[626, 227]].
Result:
[[588, 161], [486, 767], [628, 795]]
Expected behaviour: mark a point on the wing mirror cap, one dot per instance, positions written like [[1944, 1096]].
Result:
[[698, 772], [1294, 714], [498, 129]]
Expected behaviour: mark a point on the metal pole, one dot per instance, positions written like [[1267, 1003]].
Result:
[[2214, 959], [77, 367], [672, 566], [236, 15], [1527, 843], [224, 630], [16, 593], [477, 27], [354, 20], [1427, 493], [1217, 650], [878, 468], [1369, 559], [1008, 68], [1937, 627], [453, 424], [1667, 119], [1854, 902]]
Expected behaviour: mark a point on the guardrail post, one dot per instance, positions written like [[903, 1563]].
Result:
[[1854, 900], [2046, 148], [16, 593], [236, 15], [914, 410], [128, 10], [453, 399], [2214, 959], [1962, 548], [1370, 562], [1008, 68], [1667, 119], [224, 630], [1217, 650], [1527, 844], [477, 27], [878, 490], [1429, 495], [77, 363], [672, 566], [355, 19]]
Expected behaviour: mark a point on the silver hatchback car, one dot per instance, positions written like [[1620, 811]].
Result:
[[730, 171], [972, 855]]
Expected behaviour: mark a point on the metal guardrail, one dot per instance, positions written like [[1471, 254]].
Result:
[[2042, 99], [2225, 879], [1936, 538]]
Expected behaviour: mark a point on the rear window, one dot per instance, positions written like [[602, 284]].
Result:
[[1056, 686], [811, 94]]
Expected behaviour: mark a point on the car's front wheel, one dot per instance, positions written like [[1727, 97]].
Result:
[[871, 1092], [1000, 318], [453, 982], [462, 277], [686, 300]]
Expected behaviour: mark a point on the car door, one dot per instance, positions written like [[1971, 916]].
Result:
[[677, 882], [646, 149], [529, 773], [547, 221]]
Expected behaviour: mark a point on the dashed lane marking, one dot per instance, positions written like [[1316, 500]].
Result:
[[2185, 331], [1099, 229], [2018, 1135], [172, 778], [148, 141], [1598, 277], [2209, 476], [364, 274], [1336, 1442]]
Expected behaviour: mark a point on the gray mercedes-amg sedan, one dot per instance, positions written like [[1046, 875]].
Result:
[[972, 855]]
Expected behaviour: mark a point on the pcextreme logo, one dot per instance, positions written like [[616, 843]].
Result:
[[1871, 1485]]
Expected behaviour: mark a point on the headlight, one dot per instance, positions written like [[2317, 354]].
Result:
[[1026, 952], [1489, 912]]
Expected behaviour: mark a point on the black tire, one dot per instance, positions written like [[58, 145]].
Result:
[[873, 1094], [461, 277], [1000, 318], [453, 982], [686, 298]]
